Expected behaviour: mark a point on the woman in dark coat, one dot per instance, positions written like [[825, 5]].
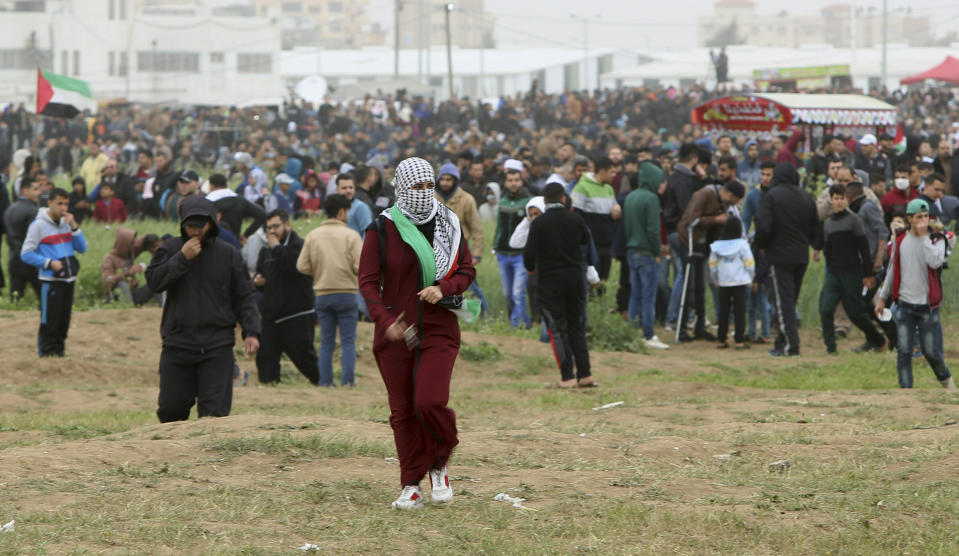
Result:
[[416, 340]]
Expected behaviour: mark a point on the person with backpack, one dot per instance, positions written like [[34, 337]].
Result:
[[414, 265]]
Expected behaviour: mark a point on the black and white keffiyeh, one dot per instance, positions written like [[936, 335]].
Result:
[[420, 206]]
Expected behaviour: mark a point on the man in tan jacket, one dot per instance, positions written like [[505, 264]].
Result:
[[331, 255], [463, 206]]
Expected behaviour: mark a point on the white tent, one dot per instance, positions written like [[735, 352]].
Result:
[[677, 68]]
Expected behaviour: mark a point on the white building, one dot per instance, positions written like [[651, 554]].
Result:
[[476, 72], [841, 25], [143, 54]]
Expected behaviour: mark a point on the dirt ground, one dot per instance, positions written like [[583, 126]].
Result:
[[674, 445]]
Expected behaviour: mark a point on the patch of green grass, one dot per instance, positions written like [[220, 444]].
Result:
[[72, 426], [846, 372], [481, 352], [300, 447]]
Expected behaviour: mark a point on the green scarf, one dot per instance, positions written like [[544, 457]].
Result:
[[417, 241]]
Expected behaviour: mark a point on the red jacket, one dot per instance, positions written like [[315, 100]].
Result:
[[116, 211], [788, 152], [894, 198], [402, 282], [935, 283]]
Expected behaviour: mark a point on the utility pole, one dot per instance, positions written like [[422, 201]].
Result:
[[449, 48], [419, 41], [482, 53], [585, 54], [885, 36], [153, 68], [584, 80], [396, 38]]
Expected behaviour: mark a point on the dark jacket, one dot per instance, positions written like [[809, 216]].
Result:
[[207, 295], [287, 293], [681, 185], [553, 247], [787, 223], [235, 209], [845, 245], [16, 220]]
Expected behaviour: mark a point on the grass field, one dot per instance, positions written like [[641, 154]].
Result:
[[682, 466]]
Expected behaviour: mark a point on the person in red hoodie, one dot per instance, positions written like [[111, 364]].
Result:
[[109, 209], [788, 152], [906, 187], [423, 260]]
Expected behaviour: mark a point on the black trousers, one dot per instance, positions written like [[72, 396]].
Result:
[[294, 337], [22, 274], [188, 377], [696, 290], [732, 298], [562, 299], [605, 255], [787, 281], [56, 307]]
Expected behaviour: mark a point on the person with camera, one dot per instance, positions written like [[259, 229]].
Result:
[[414, 266], [50, 244]]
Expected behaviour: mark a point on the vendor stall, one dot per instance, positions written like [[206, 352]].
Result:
[[765, 114]]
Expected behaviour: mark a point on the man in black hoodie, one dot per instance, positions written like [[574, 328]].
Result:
[[289, 320], [208, 291], [553, 253], [687, 178], [16, 222], [786, 226], [234, 209]]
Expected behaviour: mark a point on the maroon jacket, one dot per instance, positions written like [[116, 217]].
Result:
[[402, 284]]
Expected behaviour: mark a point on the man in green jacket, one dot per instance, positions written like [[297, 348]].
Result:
[[512, 272], [641, 220]]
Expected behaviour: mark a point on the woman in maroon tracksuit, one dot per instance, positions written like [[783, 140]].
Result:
[[416, 340]]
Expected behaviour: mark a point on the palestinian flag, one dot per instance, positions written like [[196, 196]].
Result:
[[899, 142], [62, 96]]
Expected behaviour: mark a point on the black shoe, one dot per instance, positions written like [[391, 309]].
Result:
[[708, 336], [832, 351], [685, 337]]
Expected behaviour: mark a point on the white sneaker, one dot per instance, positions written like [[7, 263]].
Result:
[[410, 499], [441, 491], [948, 383], [656, 343]]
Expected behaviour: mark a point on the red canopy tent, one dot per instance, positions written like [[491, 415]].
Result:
[[947, 71]]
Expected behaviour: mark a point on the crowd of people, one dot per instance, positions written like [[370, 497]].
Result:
[[570, 183]]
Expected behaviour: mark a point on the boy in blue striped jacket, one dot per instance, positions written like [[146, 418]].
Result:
[[50, 244]]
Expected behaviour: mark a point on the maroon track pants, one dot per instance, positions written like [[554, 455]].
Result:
[[424, 429]]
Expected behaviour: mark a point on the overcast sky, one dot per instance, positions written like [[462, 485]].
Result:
[[669, 24]]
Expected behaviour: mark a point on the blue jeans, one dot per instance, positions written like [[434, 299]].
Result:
[[677, 251], [908, 317], [475, 290], [332, 311], [643, 281], [758, 304], [512, 274]]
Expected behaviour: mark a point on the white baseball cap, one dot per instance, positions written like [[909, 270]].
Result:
[[513, 165], [868, 139]]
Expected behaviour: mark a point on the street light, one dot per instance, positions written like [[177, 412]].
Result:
[[449, 48]]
